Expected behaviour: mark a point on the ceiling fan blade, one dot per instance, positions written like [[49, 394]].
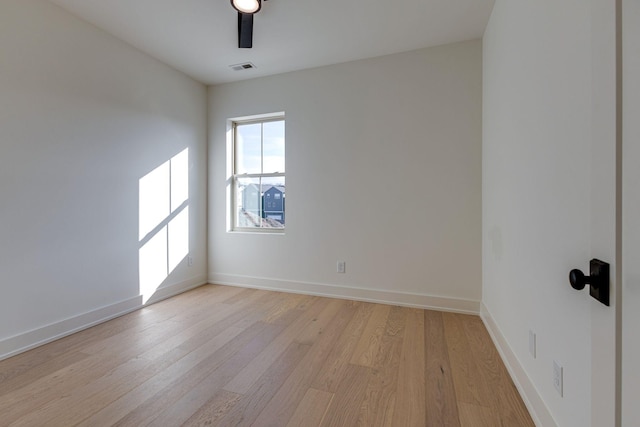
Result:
[[245, 30]]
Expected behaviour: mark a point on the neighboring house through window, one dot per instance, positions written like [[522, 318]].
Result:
[[258, 179]]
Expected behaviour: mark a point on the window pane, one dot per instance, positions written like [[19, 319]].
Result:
[[273, 195], [248, 206], [273, 147], [248, 149]]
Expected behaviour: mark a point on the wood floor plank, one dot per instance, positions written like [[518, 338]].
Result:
[[510, 407], [183, 382], [219, 327], [243, 295], [312, 409], [369, 342], [24, 400], [90, 398], [250, 406], [253, 308], [287, 302], [307, 301], [441, 404], [396, 321], [136, 370], [197, 395], [114, 411], [143, 338], [468, 383], [213, 410], [472, 415], [140, 319], [333, 368], [410, 401], [40, 370], [218, 294], [222, 356], [344, 409], [243, 382], [285, 401], [177, 318], [380, 396], [318, 324], [73, 407], [506, 403]]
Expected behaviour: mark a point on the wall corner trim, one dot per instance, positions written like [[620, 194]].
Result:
[[25, 341], [382, 296], [530, 395]]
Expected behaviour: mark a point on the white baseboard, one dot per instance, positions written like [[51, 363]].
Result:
[[431, 302], [36, 337], [532, 399]]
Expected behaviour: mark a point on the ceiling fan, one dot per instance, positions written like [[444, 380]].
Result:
[[246, 9]]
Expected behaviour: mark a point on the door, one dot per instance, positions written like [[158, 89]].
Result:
[[549, 200], [630, 212], [605, 209]]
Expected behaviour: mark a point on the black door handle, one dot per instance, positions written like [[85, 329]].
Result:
[[577, 279], [598, 280]]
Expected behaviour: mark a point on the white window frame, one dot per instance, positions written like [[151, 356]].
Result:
[[263, 118]]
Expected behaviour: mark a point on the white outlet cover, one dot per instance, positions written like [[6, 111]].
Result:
[[557, 377]]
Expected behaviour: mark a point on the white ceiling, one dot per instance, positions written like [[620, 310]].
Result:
[[199, 37]]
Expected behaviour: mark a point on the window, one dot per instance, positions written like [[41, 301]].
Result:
[[258, 174]]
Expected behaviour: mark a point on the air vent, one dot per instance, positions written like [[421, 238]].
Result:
[[240, 67]]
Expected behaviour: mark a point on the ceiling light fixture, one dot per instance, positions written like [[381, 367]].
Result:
[[246, 9], [246, 6]]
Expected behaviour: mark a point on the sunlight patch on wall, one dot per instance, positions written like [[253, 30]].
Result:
[[153, 263], [179, 179], [163, 222], [154, 197], [178, 239]]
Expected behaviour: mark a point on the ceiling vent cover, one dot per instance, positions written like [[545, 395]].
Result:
[[244, 66]]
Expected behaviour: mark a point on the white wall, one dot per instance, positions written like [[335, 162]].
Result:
[[83, 117], [383, 172], [631, 214], [548, 143]]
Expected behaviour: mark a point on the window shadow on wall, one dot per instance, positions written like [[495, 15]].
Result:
[[163, 222]]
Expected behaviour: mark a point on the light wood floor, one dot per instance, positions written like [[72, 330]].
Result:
[[222, 356]]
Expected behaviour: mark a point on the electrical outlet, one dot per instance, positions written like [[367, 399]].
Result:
[[341, 267], [532, 343], [557, 377], [190, 261]]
